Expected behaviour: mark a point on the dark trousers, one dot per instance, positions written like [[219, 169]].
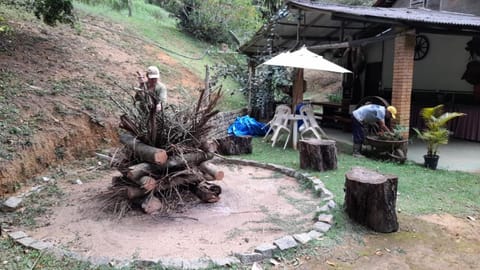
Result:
[[357, 130]]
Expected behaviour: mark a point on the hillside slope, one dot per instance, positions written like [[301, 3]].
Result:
[[56, 84]]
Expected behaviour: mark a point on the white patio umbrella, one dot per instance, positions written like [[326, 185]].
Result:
[[303, 58]]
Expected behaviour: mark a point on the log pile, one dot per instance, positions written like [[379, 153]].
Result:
[[165, 160]]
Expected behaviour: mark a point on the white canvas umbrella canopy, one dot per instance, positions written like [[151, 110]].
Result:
[[303, 58]]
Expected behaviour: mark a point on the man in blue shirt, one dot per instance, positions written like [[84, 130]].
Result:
[[369, 114]]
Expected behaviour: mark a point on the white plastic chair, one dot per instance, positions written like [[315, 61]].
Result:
[[310, 123], [277, 119], [281, 126]]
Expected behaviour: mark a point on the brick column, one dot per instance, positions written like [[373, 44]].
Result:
[[403, 77]]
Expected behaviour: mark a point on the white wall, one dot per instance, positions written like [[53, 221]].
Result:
[[441, 69]]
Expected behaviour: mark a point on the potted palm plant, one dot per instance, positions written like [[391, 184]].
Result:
[[435, 132]]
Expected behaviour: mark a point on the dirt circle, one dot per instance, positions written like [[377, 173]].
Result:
[[256, 206]]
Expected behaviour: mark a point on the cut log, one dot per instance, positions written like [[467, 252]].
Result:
[[143, 151], [195, 158], [179, 180], [211, 169], [151, 205], [137, 171], [148, 183], [370, 199], [235, 145], [320, 155], [117, 181], [133, 193], [206, 191]]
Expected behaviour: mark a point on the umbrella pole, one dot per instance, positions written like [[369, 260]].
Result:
[[298, 87]]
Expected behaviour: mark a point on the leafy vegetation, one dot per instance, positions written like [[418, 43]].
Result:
[[436, 132], [50, 11]]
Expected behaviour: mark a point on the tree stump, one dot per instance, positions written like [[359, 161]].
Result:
[[370, 199], [320, 155], [235, 145]]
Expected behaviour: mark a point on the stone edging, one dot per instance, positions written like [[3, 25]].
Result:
[[261, 252]]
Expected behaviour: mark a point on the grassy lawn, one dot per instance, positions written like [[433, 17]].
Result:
[[421, 190]]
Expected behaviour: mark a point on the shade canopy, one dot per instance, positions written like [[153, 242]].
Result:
[[303, 58]]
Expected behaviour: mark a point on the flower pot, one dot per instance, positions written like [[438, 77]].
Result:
[[431, 161]]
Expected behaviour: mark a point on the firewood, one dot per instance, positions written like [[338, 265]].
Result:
[[177, 181], [133, 192], [212, 170], [148, 183], [117, 181], [143, 151], [139, 170], [206, 191], [151, 205], [194, 158]]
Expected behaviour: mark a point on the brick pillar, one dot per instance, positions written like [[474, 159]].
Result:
[[403, 77]]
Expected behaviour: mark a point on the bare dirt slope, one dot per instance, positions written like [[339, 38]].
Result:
[[56, 85]]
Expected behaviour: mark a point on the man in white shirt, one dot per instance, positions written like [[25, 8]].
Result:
[[369, 114]]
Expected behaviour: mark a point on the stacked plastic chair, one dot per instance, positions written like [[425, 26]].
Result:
[[279, 124], [310, 123]]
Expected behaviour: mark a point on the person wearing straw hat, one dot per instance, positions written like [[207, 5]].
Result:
[[369, 114], [152, 83]]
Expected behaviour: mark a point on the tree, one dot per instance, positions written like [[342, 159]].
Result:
[[50, 11]]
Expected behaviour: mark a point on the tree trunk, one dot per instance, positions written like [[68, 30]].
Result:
[[211, 169], [143, 151], [370, 199], [320, 155], [235, 145]]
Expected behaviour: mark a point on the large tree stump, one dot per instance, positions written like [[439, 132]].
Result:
[[235, 145], [370, 199], [320, 155]]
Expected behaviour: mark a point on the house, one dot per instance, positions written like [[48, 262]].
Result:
[[411, 52]]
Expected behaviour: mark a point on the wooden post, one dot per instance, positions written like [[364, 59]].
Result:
[[370, 199], [320, 155]]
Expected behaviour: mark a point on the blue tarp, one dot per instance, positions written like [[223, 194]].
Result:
[[246, 125]]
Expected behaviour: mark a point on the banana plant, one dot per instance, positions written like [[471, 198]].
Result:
[[435, 132]]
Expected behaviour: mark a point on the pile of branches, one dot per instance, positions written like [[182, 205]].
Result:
[[165, 158]]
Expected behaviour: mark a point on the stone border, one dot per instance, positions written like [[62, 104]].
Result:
[[260, 253]]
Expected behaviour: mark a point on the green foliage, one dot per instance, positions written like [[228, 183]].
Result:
[[435, 132], [52, 11], [216, 21], [335, 97]]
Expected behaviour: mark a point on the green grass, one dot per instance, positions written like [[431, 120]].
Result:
[[420, 190]]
